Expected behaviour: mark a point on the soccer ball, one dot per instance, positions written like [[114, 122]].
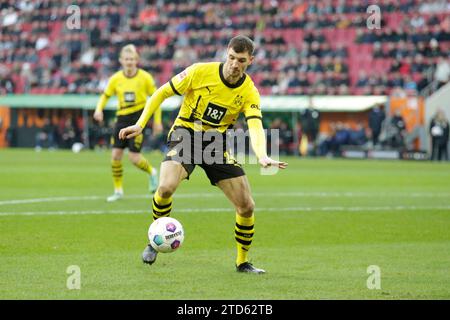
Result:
[[77, 147], [166, 234]]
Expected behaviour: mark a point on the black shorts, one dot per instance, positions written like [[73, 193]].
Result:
[[134, 144], [191, 149]]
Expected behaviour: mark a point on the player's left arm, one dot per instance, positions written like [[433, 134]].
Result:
[[253, 116]]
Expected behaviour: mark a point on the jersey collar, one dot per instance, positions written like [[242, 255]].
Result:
[[225, 82], [137, 71]]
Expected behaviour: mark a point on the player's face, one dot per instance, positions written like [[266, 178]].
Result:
[[237, 63], [128, 61]]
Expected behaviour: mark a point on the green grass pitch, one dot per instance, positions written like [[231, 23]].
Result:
[[319, 225]]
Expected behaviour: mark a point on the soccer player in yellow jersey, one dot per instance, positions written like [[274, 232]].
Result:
[[214, 95], [132, 86]]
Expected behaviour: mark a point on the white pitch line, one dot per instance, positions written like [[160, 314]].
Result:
[[256, 194], [296, 209]]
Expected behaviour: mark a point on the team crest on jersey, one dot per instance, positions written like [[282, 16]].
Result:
[[182, 75], [238, 101], [129, 96]]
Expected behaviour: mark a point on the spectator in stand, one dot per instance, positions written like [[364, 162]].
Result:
[[94, 33], [314, 65], [378, 50], [207, 25], [417, 21], [423, 82], [6, 85], [418, 64], [439, 132], [363, 80], [340, 51], [405, 66], [148, 15], [410, 85], [433, 50], [114, 18], [303, 79], [293, 79], [339, 65]]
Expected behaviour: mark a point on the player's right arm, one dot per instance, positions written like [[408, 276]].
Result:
[[107, 93], [179, 84]]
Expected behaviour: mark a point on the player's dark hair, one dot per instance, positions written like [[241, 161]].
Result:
[[242, 44]]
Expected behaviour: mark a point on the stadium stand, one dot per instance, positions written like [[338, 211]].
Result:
[[302, 48], [306, 48]]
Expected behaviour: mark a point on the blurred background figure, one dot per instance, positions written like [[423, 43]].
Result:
[[68, 133], [310, 123], [439, 131], [397, 131], [46, 138], [376, 119]]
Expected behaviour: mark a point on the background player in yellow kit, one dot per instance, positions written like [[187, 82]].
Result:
[[214, 95], [132, 86]]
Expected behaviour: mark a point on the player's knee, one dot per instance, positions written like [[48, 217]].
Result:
[[246, 208], [116, 154], [166, 191], [134, 158]]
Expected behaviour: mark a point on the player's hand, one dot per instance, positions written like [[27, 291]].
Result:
[[130, 132], [157, 129], [98, 115], [266, 162]]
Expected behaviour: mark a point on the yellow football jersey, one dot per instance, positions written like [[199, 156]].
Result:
[[210, 100], [131, 92]]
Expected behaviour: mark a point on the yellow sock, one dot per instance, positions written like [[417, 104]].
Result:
[[117, 173], [244, 230], [144, 165], [161, 206]]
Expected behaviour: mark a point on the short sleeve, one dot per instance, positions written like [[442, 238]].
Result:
[[182, 82], [110, 89], [252, 107]]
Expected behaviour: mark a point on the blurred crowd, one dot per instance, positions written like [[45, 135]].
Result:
[[303, 47], [382, 132]]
